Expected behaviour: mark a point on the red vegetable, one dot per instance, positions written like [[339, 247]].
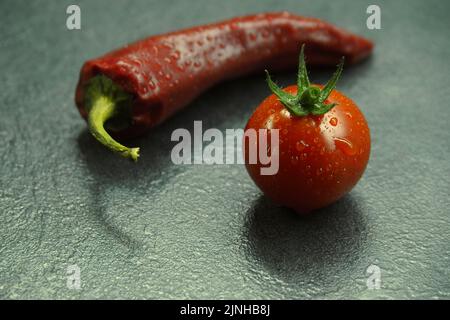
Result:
[[144, 83], [324, 143]]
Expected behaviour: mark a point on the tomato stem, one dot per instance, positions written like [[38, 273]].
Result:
[[309, 99]]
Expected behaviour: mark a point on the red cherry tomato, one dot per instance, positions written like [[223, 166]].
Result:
[[321, 157]]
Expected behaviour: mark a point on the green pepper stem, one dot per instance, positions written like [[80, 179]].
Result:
[[104, 108]]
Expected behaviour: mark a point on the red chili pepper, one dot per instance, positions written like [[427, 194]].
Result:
[[142, 84]]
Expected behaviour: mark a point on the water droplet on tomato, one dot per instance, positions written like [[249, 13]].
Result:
[[197, 64], [334, 121], [168, 76], [319, 171], [301, 145], [345, 146]]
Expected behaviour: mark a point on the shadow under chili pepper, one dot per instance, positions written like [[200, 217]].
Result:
[[319, 248], [110, 171]]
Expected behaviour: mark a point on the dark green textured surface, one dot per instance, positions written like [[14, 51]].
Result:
[[155, 230]]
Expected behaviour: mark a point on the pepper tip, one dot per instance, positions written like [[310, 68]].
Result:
[[134, 154]]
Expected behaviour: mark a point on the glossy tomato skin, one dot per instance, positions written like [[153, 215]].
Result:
[[321, 158]]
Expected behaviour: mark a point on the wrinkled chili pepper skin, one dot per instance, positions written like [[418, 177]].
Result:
[[166, 72]]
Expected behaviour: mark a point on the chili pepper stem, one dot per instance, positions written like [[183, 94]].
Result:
[[104, 108]]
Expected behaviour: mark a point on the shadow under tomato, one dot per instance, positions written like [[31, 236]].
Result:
[[303, 249]]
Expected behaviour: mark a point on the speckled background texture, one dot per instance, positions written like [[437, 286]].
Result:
[[156, 230]]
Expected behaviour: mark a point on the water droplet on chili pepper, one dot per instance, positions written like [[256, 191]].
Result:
[[175, 55]]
